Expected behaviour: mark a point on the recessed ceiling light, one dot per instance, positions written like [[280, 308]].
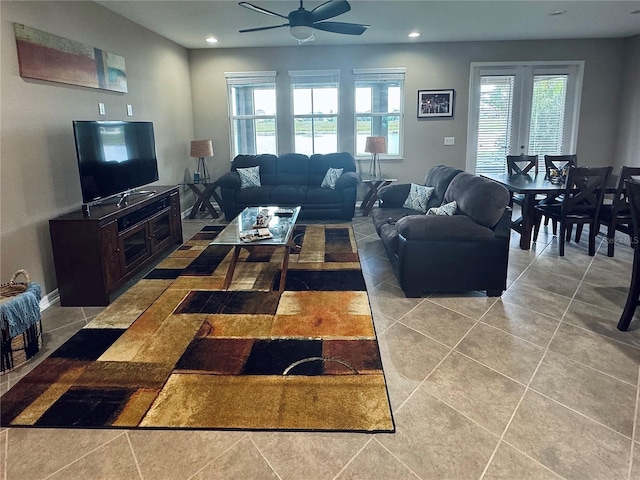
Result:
[[414, 34], [557, 12], [212, 40]]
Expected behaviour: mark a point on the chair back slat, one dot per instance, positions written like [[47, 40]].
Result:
[[633, 192], [621, 197], [528, 163], [559, 162], [584, 190]]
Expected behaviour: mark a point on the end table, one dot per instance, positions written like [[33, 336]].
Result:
[[374, 185], [203, 192]]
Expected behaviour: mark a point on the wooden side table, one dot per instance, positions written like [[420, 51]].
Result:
[[203, 192], [374, 185]]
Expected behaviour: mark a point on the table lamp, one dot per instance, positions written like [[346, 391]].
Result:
[[375, 146], [201, 149]]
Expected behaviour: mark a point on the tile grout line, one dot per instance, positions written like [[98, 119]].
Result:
[[84, 456], [350, 461], [218, 456], [394, 456], [504, 432], [264, 457], [635, 426], [133, 453], [6, 453]]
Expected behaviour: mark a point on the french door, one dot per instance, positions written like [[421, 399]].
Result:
[[529, 109]]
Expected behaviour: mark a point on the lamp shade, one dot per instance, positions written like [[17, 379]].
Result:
[[201, 148], [376, 145]]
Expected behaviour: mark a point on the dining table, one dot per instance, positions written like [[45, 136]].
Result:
[[528, 186]]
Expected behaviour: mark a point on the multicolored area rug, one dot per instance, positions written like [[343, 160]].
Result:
[[176, 351]]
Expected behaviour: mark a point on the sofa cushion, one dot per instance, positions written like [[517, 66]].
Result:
[[457, 228], [323, 196], [288, 195], [418, 197], [254, 196], [320, 163], [249, 177], [390, 237], [480, 198], [439, 178], [293, 169], [445, 209], [331, 177], [394, 196], [267, 163]]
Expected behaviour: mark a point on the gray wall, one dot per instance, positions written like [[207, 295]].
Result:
[[628, 146], [429, 66], [38, 173]]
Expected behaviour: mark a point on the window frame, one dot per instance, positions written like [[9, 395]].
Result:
[[250, 79], [380, 76], [524, 73], [313, 78]]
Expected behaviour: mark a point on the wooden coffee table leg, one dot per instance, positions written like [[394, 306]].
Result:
[[232, 267]]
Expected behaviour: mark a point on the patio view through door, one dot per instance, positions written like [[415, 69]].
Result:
[[530, 109]]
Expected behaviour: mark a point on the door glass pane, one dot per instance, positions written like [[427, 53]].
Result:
[[546, 131], [494, 123]]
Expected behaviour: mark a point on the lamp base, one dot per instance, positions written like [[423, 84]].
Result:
[[203, 174], [374, 166]]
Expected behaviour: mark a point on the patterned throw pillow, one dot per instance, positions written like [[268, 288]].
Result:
[[249, 177], [445, 209], [331, 177], [418, 197]]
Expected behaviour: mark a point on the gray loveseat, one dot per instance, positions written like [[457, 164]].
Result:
[[437, 253], [293, 179]]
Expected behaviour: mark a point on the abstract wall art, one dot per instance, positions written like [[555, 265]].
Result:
[[43, 56]]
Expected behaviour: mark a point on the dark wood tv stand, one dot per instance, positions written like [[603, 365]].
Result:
[[94, 255]]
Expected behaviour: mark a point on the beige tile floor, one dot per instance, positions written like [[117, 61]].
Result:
[[536, 385]]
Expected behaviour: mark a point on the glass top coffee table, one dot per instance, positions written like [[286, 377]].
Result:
[[245, 232]]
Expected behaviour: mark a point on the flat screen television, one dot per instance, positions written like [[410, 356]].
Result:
[[114, 157]]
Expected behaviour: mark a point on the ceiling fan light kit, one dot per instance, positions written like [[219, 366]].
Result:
[[302, 22]]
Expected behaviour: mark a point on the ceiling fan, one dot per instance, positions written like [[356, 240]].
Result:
[[302, 22]]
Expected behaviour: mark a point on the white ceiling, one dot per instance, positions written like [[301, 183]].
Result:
[[189, 22]]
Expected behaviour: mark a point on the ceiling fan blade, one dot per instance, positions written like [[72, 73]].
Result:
[[262, 28], [260, 10], [330, 9], [341, 27]]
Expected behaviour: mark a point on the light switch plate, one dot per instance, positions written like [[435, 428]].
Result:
[[449, 140], [101, 109], [130, 110]]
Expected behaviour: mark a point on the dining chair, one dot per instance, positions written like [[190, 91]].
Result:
[[617, 215], [633, 298], [559, 162], [522, 164], [580, 204]]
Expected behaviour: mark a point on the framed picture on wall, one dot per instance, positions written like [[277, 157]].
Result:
[[435, 103]]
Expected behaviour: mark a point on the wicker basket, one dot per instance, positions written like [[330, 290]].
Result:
[[17, 350]]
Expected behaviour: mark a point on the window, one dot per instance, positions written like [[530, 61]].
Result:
[[315, 110], [530, 109], [252, 112], [379, 95]]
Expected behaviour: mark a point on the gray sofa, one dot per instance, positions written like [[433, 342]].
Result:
[[463, 252], [293, 179]]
